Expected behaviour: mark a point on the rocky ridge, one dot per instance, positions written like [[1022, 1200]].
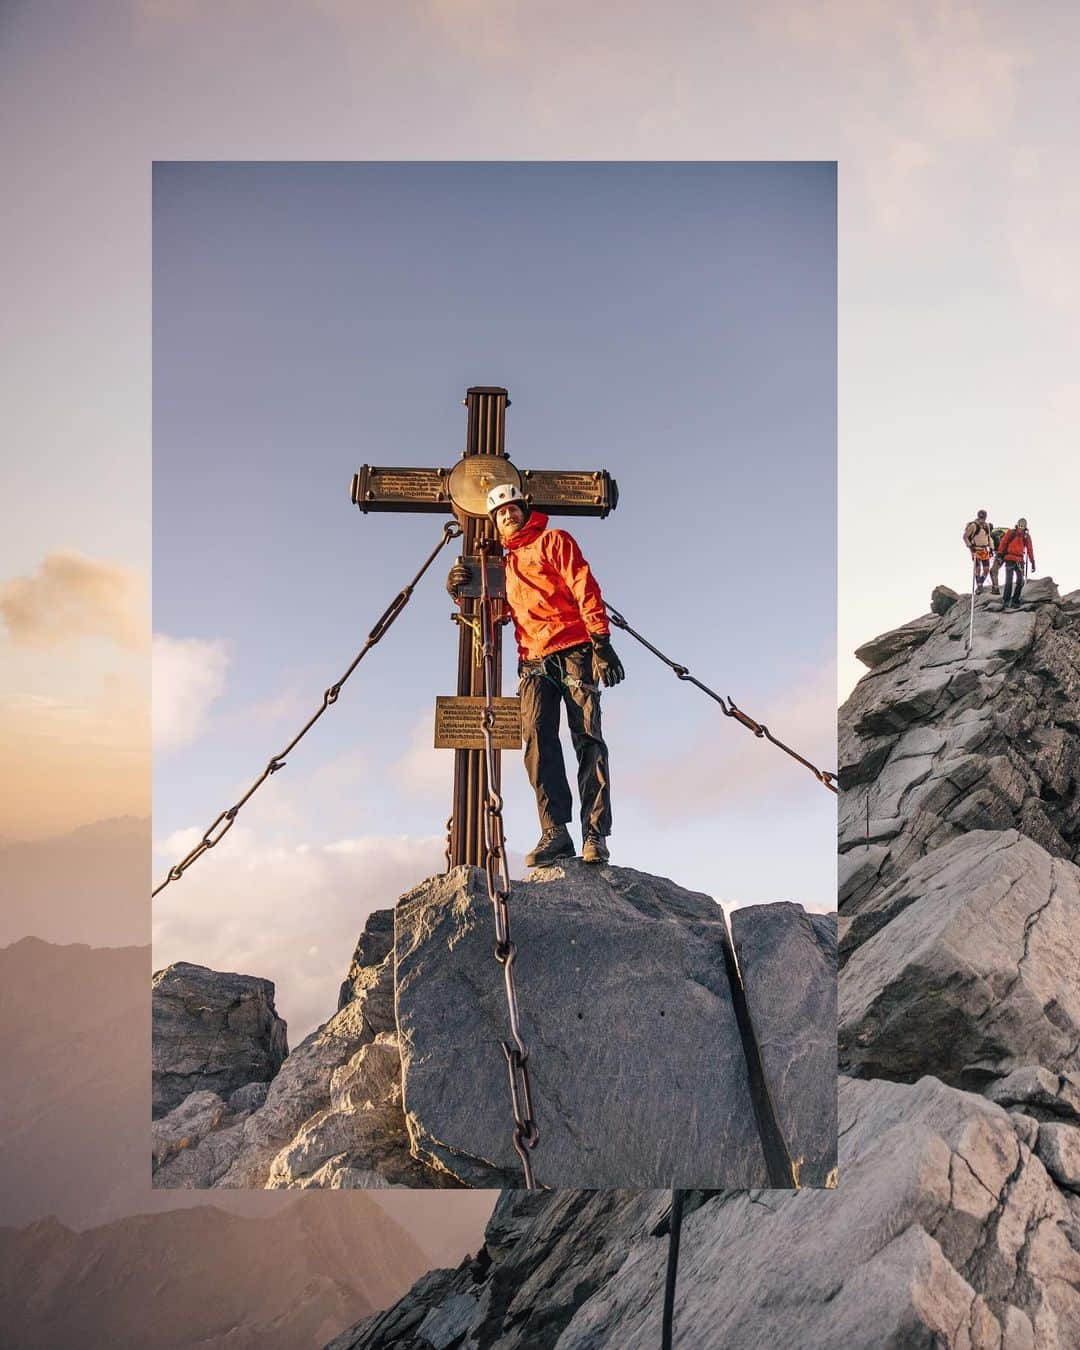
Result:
[[713, 1079], [957, 1220]]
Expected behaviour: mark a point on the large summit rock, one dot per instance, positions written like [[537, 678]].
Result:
[[639, 1072], [652, 1062]]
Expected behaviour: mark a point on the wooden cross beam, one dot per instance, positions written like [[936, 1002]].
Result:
[[463, 491]]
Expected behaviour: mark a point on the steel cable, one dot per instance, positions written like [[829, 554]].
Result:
[[330, 696], [728, 707]]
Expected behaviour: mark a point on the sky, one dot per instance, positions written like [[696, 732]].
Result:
[[672, 323], [954, 129]]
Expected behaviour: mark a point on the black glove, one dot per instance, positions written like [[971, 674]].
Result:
[[607, 668], [457, 577]]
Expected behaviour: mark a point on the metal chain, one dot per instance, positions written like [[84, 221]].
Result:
[[223, 824], [826, 778], [526, 1135]]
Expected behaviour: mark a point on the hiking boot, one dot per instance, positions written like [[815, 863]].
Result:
[[594, 849], [554, 843], [995, 590]]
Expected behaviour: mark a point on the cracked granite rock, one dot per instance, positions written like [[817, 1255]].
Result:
[[947, 1230], [938, 741], [212, 1032], [788, 963], [967, 967], [638, 1070]]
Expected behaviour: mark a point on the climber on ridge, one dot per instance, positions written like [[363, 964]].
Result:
[[979, 541], [564, 655], [1014, 544]]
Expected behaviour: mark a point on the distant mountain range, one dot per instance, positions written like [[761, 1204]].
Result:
[[91, 885], [200, 1277]]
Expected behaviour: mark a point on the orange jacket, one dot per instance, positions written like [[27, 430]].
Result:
[[553, 597], [1012, 546]]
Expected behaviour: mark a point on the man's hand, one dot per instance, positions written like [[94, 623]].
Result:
[[607, 668], [457, 577]]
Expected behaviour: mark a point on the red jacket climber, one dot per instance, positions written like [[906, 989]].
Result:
[[1014, 544], [564, 656]]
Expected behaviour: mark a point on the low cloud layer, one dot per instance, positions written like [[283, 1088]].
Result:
[[189, 674], [291, 915], [71, 597]]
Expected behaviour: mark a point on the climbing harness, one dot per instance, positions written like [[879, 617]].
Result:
[[225, 821], [678, 1199], [826, 778], [526, 1136]]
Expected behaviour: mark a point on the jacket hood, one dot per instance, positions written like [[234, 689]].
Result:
[[536, 524]]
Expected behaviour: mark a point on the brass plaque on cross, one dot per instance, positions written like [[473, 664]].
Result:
[[571, 492], [384, 489], [458, 725]]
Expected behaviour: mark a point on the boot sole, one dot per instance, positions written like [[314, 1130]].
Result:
[[549, 858]]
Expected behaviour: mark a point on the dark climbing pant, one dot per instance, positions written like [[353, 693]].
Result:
[[565, 677], [1014, 572]]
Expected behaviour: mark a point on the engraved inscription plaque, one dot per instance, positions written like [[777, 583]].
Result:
[[458, 726], [571, 492], [390, 489]]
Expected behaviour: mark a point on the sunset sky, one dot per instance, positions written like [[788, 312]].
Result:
[[959, 212]]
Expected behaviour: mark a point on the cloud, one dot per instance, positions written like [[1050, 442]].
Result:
[[422, 770], [291, 915], [71, 597], [189, 674]]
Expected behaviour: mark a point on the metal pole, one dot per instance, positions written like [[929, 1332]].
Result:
[[971, 625], [485, 435]]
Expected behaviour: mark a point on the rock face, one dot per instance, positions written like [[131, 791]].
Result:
[[946, 1230], [957, 1220], [938, 741], [652, 1061], [212, 1032], [636, 1081], [788, 963]]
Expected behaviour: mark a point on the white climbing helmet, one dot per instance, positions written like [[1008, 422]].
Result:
[[504, 494]]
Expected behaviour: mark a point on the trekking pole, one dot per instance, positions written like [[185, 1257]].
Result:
[[971, 625]]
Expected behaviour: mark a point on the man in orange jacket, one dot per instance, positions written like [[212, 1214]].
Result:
[[1014, 544], [564, 655]]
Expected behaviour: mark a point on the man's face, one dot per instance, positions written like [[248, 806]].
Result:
[[509, 519]]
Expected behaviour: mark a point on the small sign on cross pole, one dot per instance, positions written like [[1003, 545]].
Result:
[[463, 490]]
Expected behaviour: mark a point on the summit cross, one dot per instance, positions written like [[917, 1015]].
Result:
[[462, 491]]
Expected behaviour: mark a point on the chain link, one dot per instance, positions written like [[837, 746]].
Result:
[[224, 823], [824, 776], [526, 1135]]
